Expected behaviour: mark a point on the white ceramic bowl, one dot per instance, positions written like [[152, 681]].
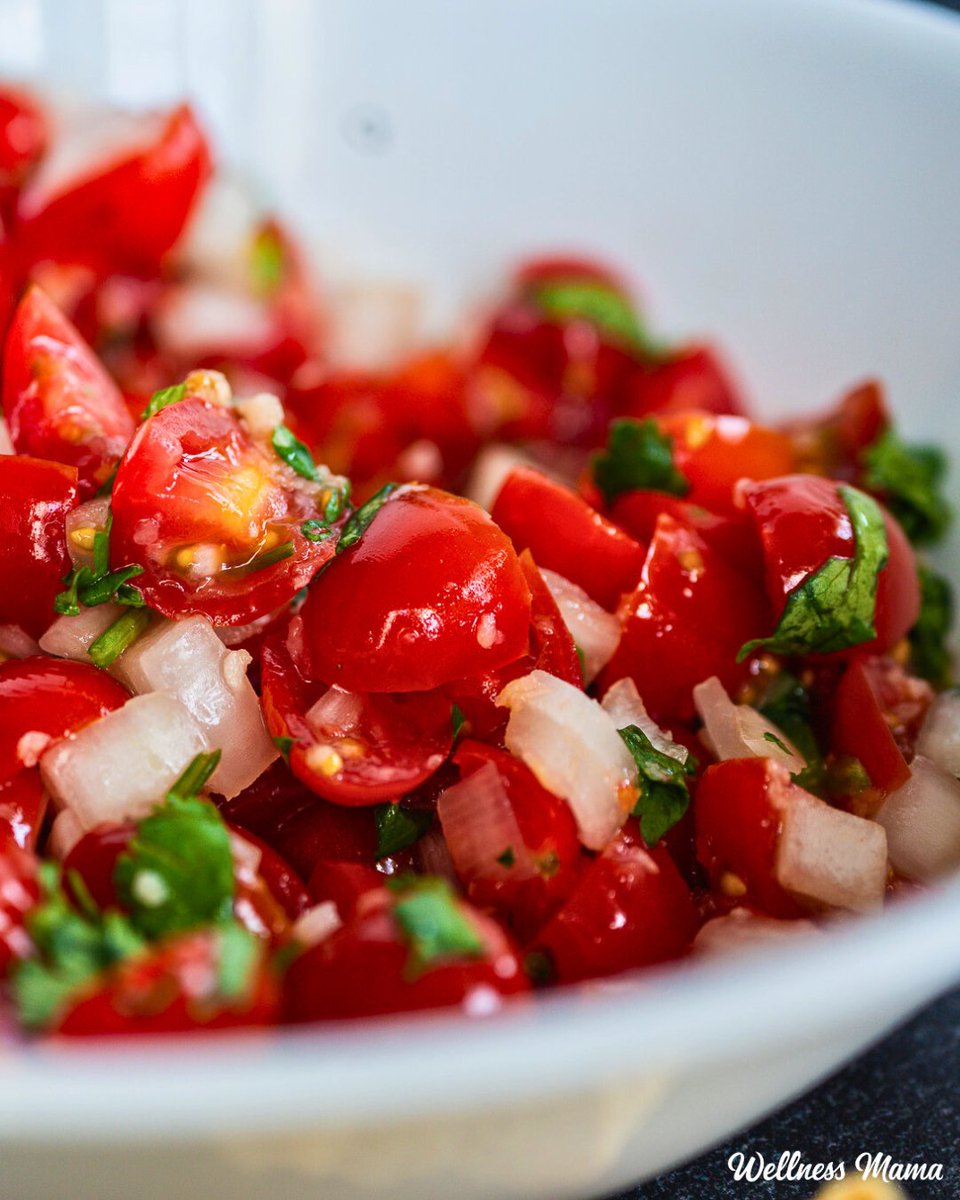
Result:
[[783, 173]]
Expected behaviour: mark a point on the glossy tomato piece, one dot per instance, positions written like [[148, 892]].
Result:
[[23, 806], [832, 444], [564, 534], [685, 622], [197, 502], [343, 884], [630, 908], [58, 400], [93, 859], [278, 876], [19, 892], [142, 200], [802, 522], [739, 808], [693, 379], [23, 139], [431, 592], [35, 498], [173, 987], [364, 969]]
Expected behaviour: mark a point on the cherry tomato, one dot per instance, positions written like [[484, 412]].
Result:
[[23, 139], [803, 521], [35, 498], [143, 199], [363, 969], [686, 621], [23, 806], [278, 876], [739, 807], [564, 534], [344, 884], [58, 400], [629, 908], [691, 379], [93, 859], [431, 592], [832, 444], [197, 502], [173, 987], [19, 892]]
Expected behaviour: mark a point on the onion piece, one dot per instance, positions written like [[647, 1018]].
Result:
[[432, 856], [595, 631], [336, 713], [315, 924], [939, 738], [575, 751], [16, 643], [6, 442], [81, 524], [196, 320], [373, 325], [261, 414], [490, 468], [480, 826], [72, 637], [65, 832], [623, 704], [830, 857], [741, 929], [922, 820], [739, 731], [187, 660], [120, 766]]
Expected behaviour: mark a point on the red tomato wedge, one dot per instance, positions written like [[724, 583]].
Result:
[[431, 592], [23, 139], [199, 504], [58, 400], [35, 496], [352, 748], [23, 806], [693, 379], [19, 892]]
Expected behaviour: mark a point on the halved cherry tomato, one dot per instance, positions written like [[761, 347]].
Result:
[[197, 502], [686, 621], [35, 497], [93, 859], [23, 139], [58, 400], [173, 987], [564, 534], [357, 748], [803, 521], [19, 892], [344, 884], [431, 592], [739, 807], [832, 444], [363, 970], [278, 876], [23, 806], [692, 379], [143, 199], [629, 908]]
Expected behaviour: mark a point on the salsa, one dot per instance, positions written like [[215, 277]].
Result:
[[333, 689]]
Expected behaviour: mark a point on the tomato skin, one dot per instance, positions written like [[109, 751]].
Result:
[[832, 444], [19, 892], [361, 971], [192, 476], [35, 496], [59, 402], [94, 859], [278, 876], [629, 908], [23, 139], [802, 521], [171, 988], [564, 534], [23, 806], [738, 807], [406, 608], [692, 379], [685, 622], [144, 199], [344, 884]]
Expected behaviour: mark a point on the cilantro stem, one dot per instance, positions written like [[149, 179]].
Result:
[[119, 636]]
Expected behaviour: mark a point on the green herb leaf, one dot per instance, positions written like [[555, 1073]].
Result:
[[908, 478], [433, 926], [267, 261], [117, 637], [269, 558], [195, 775], [99, 585], [457, 720], [163, 399], [336, 502], [778, 742], [834, 607], [637, 456], [294, 452], [238, 955], [284, 745], [597, 303], [929, 652], [662, 780], [316, 531], [845, 776], [507, 859], [786, 704], [359, 521], [399, 827]]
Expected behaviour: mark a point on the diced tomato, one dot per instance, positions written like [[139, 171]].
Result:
[[35, 497], [58, 400], [23, 806], [832, 444], [141, 201], [278, 876], [93, 859], [803, 521], [686, 621], [629, 908], [197, 502], [564, 534], [173, 987], [739, 808], [362, 970], [692, 379], [344, 884], [431, 592], [23, 139], [19, 892]]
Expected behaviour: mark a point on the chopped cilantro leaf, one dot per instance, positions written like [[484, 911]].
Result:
[[432, 925], [284, 745], [316, 531], [845, 776], [637, 456], [507, 859], [908, 479], [294, 452], [834, 607], [237, 958], [597, 303], [269, 558], [267, 261], [929, 652], [399, 827], [117, 637], [359, 521], [662, 781], [337, 498], [164, 398], [778, 742], [99, 585], [457, 720], [786, 704]]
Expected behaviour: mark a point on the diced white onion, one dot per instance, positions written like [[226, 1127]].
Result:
[[65, 832], [118, 767], [490, 469], [830, 857], [187, 660], [742, 930], [575, 751], [623, 704], [939, 738], [197, 319], [91, 515], [16, 642], [922, 820], [216, 243], [480, 826], [335, 714], [6, 443], [72, 637], [739, 731], [316, 924], [372, 326], [595, 631], [261, 413]]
